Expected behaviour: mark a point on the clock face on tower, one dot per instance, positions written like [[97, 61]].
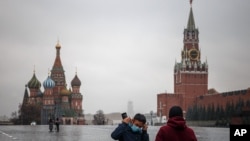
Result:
[[193, 54]]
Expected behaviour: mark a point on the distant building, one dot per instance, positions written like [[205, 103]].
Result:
[[191, 81], [130, 111], [110, 119], [151, 118], [113, 118], [57, 101], [89, 119], [4, 120]]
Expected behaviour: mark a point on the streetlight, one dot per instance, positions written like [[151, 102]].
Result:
[[161, 108], [151, 113]]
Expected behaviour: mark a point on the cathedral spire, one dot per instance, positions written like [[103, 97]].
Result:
[[34, 70], [58, 63], [25, 96], [57, 72], [49, 72], [58, 44]]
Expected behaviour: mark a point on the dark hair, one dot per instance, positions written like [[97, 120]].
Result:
[[175, 111], [140, 117]]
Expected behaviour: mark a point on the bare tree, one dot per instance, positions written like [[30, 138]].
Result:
[[99, 118]]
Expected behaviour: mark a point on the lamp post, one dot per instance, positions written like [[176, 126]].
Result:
[[160, 112], [161, 108], [151, 113]]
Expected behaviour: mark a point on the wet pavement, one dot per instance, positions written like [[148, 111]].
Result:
[[93, 133]]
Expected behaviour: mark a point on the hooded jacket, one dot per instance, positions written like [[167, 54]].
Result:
[[124, 133], [175, 130]]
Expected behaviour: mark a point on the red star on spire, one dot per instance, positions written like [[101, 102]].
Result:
[[191, 2]]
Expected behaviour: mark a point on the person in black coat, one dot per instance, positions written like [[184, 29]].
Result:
[[51, 125], [57, 122], [132, 129]]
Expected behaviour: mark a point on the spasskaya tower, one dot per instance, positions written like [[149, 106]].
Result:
[[190, 74]]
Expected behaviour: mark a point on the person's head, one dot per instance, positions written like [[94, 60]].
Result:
[[139, 120], [175, 111]]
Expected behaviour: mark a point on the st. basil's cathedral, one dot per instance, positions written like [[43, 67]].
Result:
[[56, 101]]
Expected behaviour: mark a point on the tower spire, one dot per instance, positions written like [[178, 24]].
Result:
[[49, 72], [57, 62], [191, 1], [34, 70], [191, 23], [57, 72]]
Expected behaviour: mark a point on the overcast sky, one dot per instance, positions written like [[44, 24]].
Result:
[[123, 50]]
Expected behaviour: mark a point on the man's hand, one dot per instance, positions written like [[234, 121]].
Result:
[[145, 127], [126, 120]]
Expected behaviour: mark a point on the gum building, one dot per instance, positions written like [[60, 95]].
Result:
[[191, 79], [56, 101]]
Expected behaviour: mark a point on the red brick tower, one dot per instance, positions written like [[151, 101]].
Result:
[[190, 75], [58, 76], [48, 109], [76, 98], [34, 87], [48, 98], [57, 72]]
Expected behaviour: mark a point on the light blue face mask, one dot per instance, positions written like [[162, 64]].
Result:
[[134, 128]]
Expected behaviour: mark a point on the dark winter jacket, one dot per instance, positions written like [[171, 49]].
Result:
[[124, 133], [51, 125], [175, 130]]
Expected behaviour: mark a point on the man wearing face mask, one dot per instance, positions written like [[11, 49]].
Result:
[[132, 129]]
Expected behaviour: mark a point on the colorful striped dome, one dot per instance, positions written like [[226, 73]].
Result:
[[34, 82], [48, 83]]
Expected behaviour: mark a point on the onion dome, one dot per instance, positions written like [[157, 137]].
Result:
[[64, 91], [58, 45], [48, 83], [76, 81], [34, 83]]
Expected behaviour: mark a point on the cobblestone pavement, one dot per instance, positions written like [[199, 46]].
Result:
[[92, 133]]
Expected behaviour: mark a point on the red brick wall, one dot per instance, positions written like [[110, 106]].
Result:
[[223, 98], [167, 101]]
